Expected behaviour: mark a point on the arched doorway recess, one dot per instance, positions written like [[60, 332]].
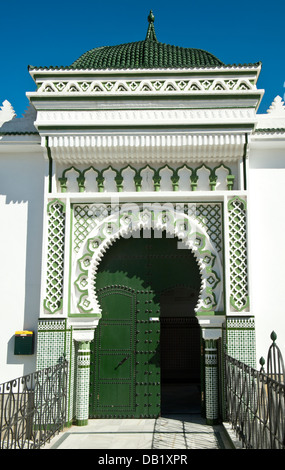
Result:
[[146, 352], [87, 299]]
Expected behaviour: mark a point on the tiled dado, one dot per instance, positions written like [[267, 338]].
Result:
[[240, 339], [58, 340], [55, 342]]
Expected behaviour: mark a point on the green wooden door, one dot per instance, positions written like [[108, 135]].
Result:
[[125, 362]]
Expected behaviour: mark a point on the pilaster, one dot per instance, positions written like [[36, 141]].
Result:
[[83, 378], [211, 381], [211, 332]]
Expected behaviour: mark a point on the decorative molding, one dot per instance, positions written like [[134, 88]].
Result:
[[211, 333], [240, 323], [146, 178], [83, 327], [86, 217], [139, 86], [129, 117], [83, 335], [126, 148], [211, 326], [51, 325], [59, 69]]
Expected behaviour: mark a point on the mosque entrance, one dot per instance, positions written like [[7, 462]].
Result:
[[145, 358]]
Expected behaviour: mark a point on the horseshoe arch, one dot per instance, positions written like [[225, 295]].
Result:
[[126, 222]]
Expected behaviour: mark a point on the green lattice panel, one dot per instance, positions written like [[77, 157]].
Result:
[[210, 215], [239, 297], [86, 218], [55, 257]]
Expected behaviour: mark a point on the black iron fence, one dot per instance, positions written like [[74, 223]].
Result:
[[256, 400], [33, 408]]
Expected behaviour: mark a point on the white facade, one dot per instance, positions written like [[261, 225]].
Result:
[[266, 167], [68, 128], [22, 179]]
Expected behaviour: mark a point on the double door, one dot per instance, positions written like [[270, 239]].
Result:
[[126, 354]]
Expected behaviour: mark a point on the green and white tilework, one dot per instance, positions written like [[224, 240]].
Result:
[[83, 383], [54, 342], [240, 334], [211, 381]]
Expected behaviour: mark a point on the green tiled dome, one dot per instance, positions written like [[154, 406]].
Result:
[[147, 54]]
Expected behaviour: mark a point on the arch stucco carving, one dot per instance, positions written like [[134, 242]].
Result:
[[128, 221]]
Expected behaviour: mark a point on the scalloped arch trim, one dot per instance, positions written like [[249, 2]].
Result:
[[130, 219]]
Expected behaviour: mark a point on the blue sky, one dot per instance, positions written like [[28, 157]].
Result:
[[58, 32]]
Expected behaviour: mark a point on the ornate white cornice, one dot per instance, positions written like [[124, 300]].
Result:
[[127, 116], [145, 86], [131, 117], [69, 84], [59, 70], [137, 148]]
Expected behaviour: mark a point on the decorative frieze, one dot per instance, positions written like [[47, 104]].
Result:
[[147, 178], [127, 117], [143, 86]]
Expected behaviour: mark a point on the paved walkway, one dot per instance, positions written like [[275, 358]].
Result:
[[181, 431]]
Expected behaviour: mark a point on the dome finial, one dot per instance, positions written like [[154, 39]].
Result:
[[150, 17], [151, 32]]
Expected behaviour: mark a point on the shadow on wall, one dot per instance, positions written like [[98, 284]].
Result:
[[22, 185]]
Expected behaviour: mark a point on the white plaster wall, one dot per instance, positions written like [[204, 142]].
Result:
[[21, 213], [266, 187]]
